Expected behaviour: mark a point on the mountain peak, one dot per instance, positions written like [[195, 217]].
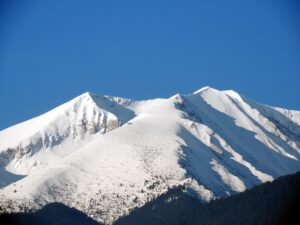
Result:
[[233, 94], [87, 95], [203, 89]]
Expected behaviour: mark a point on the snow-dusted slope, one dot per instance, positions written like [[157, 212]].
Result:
[[213, 142], [53, 135]]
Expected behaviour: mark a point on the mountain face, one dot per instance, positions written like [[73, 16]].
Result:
[[107, 155]]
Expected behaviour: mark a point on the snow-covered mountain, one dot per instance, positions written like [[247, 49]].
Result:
[[107, 155], [26, 146]]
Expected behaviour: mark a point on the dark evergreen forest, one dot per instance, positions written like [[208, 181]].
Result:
[[51, 214], [271, 203]]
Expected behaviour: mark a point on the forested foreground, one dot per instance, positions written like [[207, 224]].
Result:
[[267, 204], [51, 214]]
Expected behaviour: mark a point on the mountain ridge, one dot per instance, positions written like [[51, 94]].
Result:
[[216, 143]]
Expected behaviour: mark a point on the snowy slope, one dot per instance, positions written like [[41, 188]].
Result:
[[51, 136], [213, 142]]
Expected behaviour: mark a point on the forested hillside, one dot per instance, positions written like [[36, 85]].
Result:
[[273, 203]]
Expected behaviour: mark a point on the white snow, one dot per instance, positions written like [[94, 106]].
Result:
[[107, 155], [53, 135]]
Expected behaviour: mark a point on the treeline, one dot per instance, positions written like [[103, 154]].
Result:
[[273, 203]]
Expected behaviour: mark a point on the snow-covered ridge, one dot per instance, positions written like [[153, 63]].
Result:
[[59, 131], [213, 142]]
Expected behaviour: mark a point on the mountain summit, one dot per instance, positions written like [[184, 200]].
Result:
[[107, 155]]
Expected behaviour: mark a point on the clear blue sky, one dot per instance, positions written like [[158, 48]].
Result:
[[53, 50]]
